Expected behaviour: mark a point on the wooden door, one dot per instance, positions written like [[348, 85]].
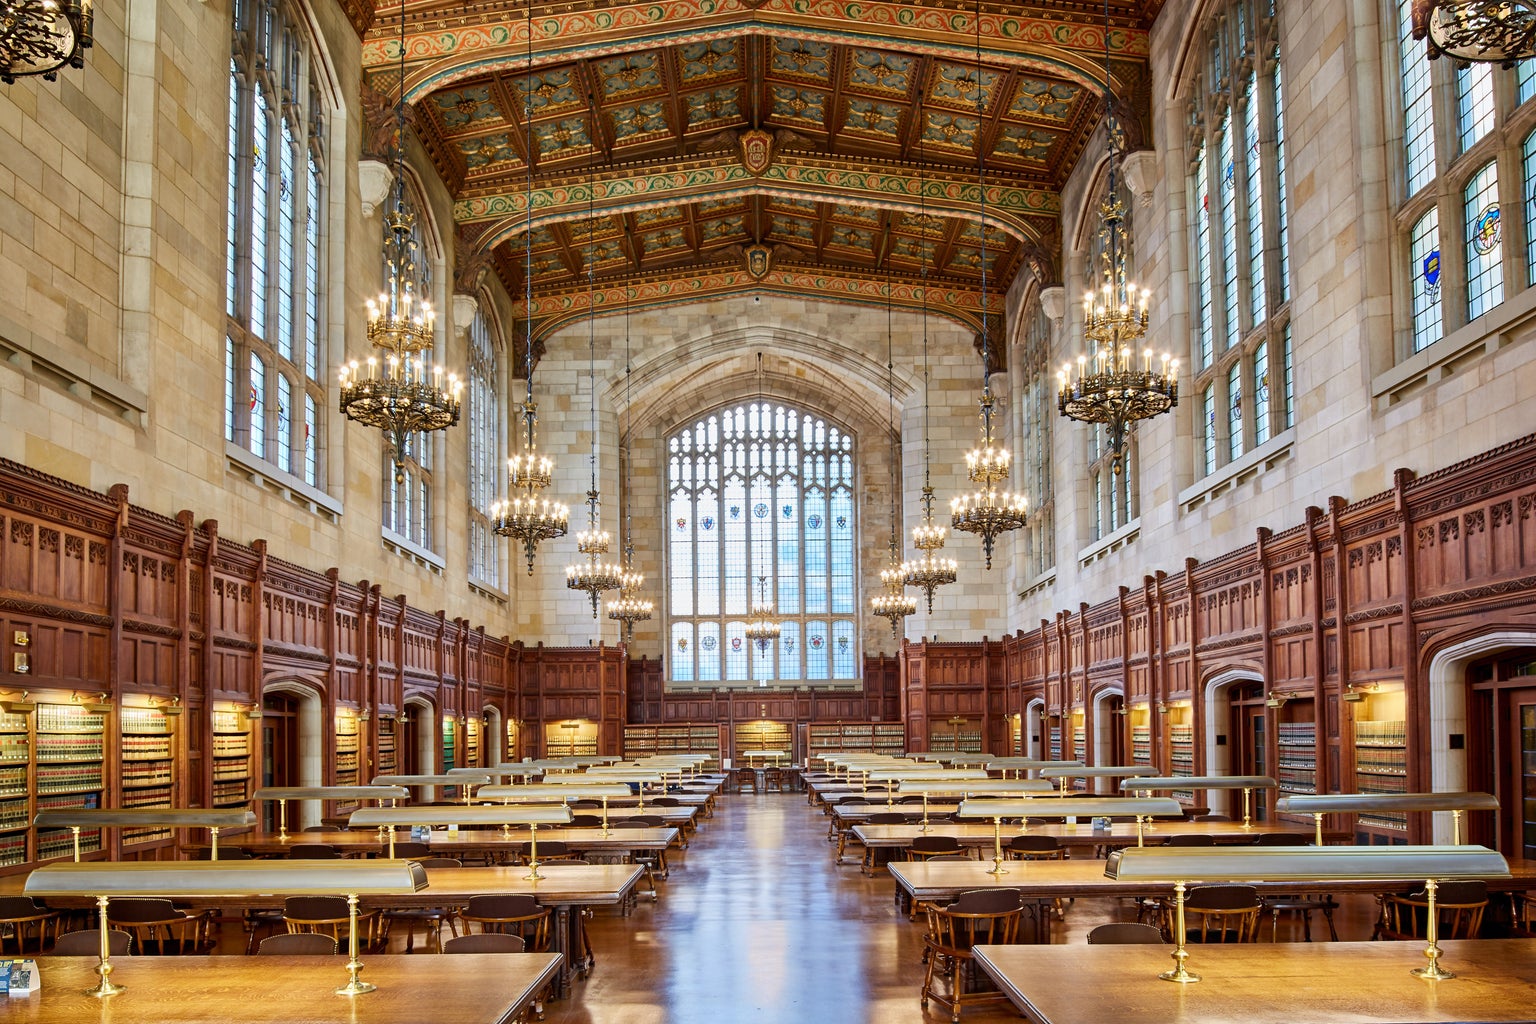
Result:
[[279, 749], [1515, 783], [1249, 735]]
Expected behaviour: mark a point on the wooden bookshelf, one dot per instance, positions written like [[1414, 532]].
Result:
[[231, 759], [680, 738], [1296, 747], [69, 762], [823, 738], [146, 749], [386, 734], [1381, 762], [472, 743], [15, 800]]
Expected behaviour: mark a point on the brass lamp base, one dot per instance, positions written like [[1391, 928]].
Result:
[[356, 988], [105, 987], [1180, 976], [1432, 972]]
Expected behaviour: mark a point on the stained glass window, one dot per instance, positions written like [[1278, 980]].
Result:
[[1424, 265], [1039, 414], [761, 502], [1485, 266], [275, 224]]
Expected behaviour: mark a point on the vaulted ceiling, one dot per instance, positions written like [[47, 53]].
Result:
[[697, 148]]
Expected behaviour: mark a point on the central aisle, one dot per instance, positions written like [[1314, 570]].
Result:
[[757, 924]]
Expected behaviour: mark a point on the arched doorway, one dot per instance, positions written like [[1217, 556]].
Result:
[[1108, 736], [292, 747], [1501, 749], [1034, 716], [492, 737], [1236, 736]]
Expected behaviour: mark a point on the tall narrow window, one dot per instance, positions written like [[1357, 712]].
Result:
[[762, 489], [1485, 266], [1418, 102], [1039, 413], [409, 496], [1424, 266], [275, 227], [487, 451], [1236, 112], [258, 405], [1474, 103]]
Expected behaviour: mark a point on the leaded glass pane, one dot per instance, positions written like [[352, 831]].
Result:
[[287, 238], [1528, 172], [1424, 266], [1485, 264], [1227, 187], [1474, 103], [258, 406], [1234, 411], [1261, 395], [284, 423], [843, 649], [1255, 202], [1418, 103], [1208, 425], [1203, 257]]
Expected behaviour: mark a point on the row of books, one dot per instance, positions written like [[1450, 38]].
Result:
[[1381, 734], [67, 718], [13, 814], [145, 747], [227, 721], [229, 769], [159, 796], [231, 746], [1289, 734], [143, 720], [229, 792], [68, 747], [13, 849], [14, 747], [62, 844], [64, 778], [147, 773], [1381, 760]]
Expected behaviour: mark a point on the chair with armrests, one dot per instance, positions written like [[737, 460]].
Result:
[[440, 862], [297, 944], [1301, 905], [1191, 839], [509, 914], [887, 818], [87, 942], [484, 942], [653, 863], [412, 850], [21, 916], [773, 778], [157, 926], [1124, 932], [586, 821], [1211, 817], [327, 915], [1220, 913], [665, 801], [324, 828], [1034, 847], [1459, 908], [975, 918]]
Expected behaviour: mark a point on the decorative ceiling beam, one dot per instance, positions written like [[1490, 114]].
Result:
[[959, 303], [441, 53], [791, 175]]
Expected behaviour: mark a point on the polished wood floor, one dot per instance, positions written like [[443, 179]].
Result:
[[757, 924]]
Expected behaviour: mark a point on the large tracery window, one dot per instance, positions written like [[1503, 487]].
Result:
[[1039, 413], [274, 273], [487, 451], [1239, 246], [761, 489]]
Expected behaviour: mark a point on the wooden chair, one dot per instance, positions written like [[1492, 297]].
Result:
[[1459, 908], [484, 942], [324, 828], [297, 944], [1031, 847], [586, 821], [88, 943], [1191, 839], [312, 851], [509, 914], [978, 917], [1123, 933], [773, 778], [327, 915], [411, 850], [1218, 913], [440, 862], [653, 863], [746, 778], [926, 847], [157, 927], [20, 915]]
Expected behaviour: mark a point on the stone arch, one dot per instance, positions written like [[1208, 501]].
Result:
[[1034, 729], [428, 730], [310, 695], [493, 736], [1446, 675], [1105, 722], [1218, 759]]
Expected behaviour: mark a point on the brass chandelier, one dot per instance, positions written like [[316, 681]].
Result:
[[762, 627], [526, 516], [987, 512], [1113, 384], [631, 606], [893, 602], [594, 575], [37, 37], [1487, 31], [397, 391]]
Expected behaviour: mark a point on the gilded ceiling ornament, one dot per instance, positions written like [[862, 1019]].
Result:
[[756, 150], [758, 260]]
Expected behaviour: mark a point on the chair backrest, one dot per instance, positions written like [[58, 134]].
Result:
[[1039, 846], [629, 823], [407, 850], [312, 851], [666, 801], [441, 862], [20, 908], [314, 909], [1211, 817], [1459, 907], [1123, 932], [297, 944], [88, 943], [144, 911], [553, 848], [512, 914], [887, 818], [935, 845], [1221, 913], [651, 820], [485, 942], [586, 820], [1284, 839], [586, 805], [225, 853], [324, 828], [1191, 839]]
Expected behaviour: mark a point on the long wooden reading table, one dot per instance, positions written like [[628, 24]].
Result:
[[470, 989], [451, 844], [1316, 982]]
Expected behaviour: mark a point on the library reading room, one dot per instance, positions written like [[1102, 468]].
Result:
[[750, 511]]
